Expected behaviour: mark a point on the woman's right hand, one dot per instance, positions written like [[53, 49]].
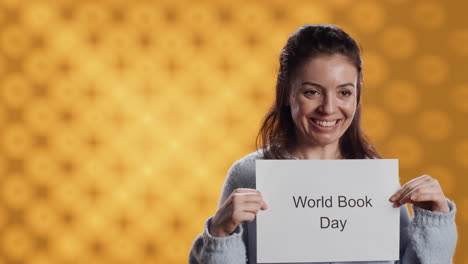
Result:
[[242, 205]]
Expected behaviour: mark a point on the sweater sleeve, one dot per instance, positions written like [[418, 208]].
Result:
[[430, 238], [208, 249]]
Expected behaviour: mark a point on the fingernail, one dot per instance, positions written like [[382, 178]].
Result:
[[392, 199], [414, 198], [395, 205]]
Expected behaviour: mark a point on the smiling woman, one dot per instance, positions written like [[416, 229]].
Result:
[[319, 83], [323, 103], [316, 115]]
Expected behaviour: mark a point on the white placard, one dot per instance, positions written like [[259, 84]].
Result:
[[327, 210]]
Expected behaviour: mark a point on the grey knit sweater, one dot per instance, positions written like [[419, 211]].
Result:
[[428, 238]]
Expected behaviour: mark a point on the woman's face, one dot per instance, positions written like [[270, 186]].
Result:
[[323, 99]]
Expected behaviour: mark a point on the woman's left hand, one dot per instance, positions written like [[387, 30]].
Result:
[[424, 192]]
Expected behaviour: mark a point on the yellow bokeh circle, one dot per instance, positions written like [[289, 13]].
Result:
[[16, 191], [376, 122], [459, 97], [461, 152], [40, 66], [445, 176], [367, 16], [16, 90], [398, 42], [16, 140], [17, 243], [39, 16], [432, 69], [375, 69], [407, 149], [429, 14], [457, 40], [14, 40], [401, 96], [435, 124]]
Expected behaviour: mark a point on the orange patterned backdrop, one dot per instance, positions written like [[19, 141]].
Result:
[[119, 119]]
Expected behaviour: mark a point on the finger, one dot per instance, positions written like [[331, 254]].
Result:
[[247, 198], [419, 192], [421, 184], [255, 199], [250, 196], [425, 197], [420, 188], [426, 186], [245, 190], [433, 191], [244, 217], [404, 199], [245, 193], [410, 185], [405, 188], [261, 202], [250, 207], [239, 192]]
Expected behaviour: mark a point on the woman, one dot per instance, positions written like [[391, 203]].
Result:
[[316, 115]]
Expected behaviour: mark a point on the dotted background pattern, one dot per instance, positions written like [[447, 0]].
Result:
[[119, 119]]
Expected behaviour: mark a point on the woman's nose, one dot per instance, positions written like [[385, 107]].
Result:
[[328, 105]]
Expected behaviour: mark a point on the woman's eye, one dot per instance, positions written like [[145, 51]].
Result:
[[311, 92], [345, 93]]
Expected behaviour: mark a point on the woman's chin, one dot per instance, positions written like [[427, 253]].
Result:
[[324, 141]]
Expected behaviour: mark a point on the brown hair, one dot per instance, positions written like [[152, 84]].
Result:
[[277, 133]]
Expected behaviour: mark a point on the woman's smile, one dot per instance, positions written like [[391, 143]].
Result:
[[325, 123], [324, 126]]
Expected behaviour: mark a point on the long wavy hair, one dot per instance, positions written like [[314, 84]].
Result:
[[277, 133]]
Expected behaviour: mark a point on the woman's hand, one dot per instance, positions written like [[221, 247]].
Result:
[[424, 192], [242, 205]]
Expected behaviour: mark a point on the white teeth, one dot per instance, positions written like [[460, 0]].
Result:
[[325, 123]]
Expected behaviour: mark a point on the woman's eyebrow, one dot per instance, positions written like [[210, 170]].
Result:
[[312, 83], [318, 85], [345, 84]]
